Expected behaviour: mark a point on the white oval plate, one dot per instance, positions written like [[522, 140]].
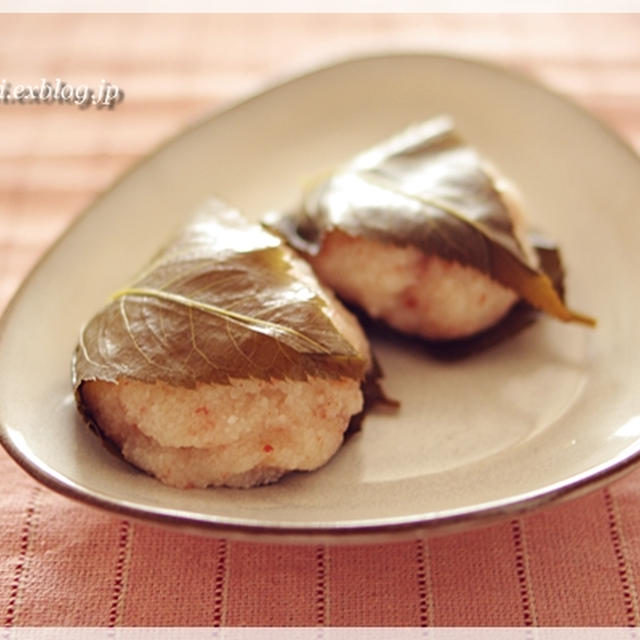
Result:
[[551, 413]]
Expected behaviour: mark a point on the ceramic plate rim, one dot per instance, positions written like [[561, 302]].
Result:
[[371, 530]]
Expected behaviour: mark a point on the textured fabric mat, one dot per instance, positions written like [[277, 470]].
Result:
[[62, 563]]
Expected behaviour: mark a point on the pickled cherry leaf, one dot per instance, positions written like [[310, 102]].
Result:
[[226, 300], [426, 188]]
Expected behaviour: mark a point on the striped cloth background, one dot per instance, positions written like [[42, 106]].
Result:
[[63, 564]]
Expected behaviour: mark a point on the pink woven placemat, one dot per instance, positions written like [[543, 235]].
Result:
[[64, 564]]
